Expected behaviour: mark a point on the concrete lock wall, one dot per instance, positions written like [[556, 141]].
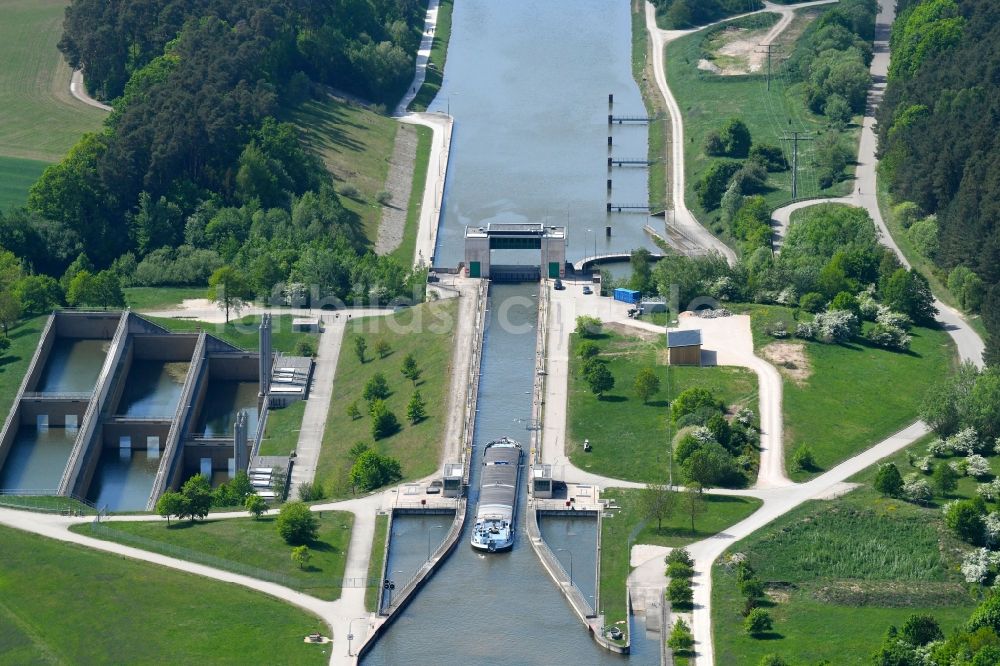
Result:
[[10, 434], [169, 348], [87, 325], [232, 367], [41, 357], [139, 433], [56, 410], [219, 453]]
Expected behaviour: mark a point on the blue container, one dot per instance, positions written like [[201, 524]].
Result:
[[627, 295]]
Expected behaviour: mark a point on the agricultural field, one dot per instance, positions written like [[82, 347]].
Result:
[[424, 331], [629, 438], [69, 604], [41, 120]]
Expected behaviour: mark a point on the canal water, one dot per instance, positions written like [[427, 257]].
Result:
[[152, 389], [38, 458], [528, 86], [123, 479], [223, 400], [72, 366]]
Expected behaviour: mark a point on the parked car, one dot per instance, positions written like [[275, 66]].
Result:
[[434, 487], [587, 290], [558, 286]]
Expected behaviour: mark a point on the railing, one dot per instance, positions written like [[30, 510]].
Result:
[[265, 411], [137, 419], [91, 418], [556, 570], [55, 395], [179, 423]]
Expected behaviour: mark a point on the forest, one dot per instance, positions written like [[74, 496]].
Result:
[[940, 148], [678, 14], [194, 169]]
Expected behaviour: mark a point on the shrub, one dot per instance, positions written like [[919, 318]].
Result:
[[770, 156], [681, 639], [713, 183], [920, 630], [679, 570], [691, 400], [923, 235], [889, 337], [945, 478], [384, 198], [679, 555], [349, 191], [305, 347], [806, 330], [976, 565], [977, 466], [966, 519], [372, 470], [679, 592], [918, 491], [310, 491], [588, 327], [587, 349], [296, 524], [989, 491], [757, 622], [812, 302], [835, 326], [802, 459], [888, 480], [772, 660], [384, 422]]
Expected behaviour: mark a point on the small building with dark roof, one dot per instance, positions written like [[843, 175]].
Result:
[[684, 347]]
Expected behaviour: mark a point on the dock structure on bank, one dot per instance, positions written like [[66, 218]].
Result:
[[630, 162], [628, 208], [619, 120]]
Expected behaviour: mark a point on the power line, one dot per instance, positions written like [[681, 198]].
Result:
[[795, 138], [770, 48]]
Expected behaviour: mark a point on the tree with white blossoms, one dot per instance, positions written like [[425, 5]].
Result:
[[977, 466], [964, 441], [991, 528], [989, 491], [925, 464], [745, 418], [917, 490], [976, 565], [836, 325], [938, 448], [996, 446]]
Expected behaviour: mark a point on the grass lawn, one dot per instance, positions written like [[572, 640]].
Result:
[[708, 100], [237, 543], [439, 54], [242, 332], [404, 253], [852, 398], [14, 362], [376, 561], [628, 527], [629, 438], [355, 144], [858, 395], [642, 72], [17, 175], [281, 435], [847, 567], [62, 603], [936, 276], [426, 331], [41, 120], [160, 298]]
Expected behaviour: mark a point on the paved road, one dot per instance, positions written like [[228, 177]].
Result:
[[79, 91]]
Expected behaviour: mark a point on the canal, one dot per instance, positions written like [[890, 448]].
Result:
[[528, 85]]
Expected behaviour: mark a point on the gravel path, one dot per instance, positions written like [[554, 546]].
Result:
[[399, 184], [79, 91]]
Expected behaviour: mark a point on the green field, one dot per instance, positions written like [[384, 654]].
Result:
[[355, 144], [629, 527], [242, 332], [851, 398], [238, 543], [439, 54], [281, 435], [14, 362], [629, 438], [404, 253], [17, 175], [160, 298], [707, 100], [858, 395], [376, 561], [848, 567], [65, 604], [41, 120], [427, 332]]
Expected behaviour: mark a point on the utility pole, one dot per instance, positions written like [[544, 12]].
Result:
[[795, 138], [769, 49]]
